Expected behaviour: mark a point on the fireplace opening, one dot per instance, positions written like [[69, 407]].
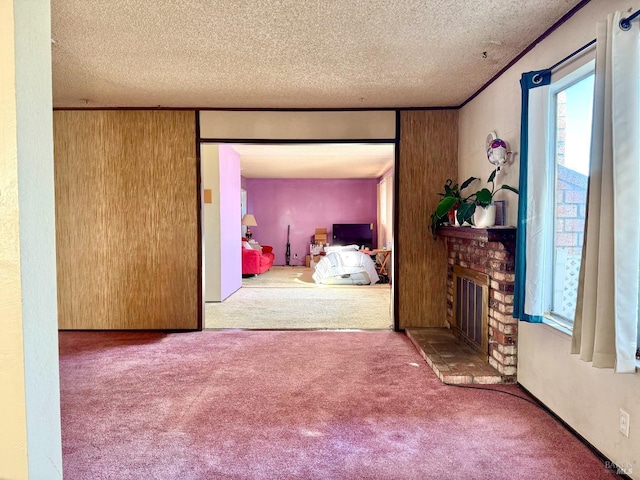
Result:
[[471, 308]]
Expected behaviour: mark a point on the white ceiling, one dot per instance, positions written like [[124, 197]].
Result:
[[315, 160], [287, 54]]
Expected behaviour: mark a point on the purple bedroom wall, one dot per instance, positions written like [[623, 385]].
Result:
[[307, 204], [231, 254]]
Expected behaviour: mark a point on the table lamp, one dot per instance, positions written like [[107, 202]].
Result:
[[249, 221]]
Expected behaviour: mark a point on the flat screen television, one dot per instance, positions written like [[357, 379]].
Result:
[[353, 234]]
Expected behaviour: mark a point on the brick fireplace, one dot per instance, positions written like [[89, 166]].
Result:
[[489, 253]]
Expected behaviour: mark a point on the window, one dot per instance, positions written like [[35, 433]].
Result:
[[571, 100], [560, 140]]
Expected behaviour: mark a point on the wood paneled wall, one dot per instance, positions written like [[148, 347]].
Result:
[[428, 156], [126, 219]]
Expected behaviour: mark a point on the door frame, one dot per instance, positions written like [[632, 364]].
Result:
[[395, 141]]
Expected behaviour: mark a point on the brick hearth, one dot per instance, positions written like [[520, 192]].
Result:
[[453, 361]]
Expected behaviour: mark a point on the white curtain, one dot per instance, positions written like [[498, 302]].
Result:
[[539, 214], [385, 211], [605, 330], [382, 212]]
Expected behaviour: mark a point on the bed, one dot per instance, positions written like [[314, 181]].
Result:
[[345, 266]]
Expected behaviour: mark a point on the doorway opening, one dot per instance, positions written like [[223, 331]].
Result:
[[291, 190]]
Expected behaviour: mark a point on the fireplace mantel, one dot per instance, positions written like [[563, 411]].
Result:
[[503, 235]]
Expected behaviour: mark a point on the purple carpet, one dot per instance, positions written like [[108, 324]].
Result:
[[289, 405]]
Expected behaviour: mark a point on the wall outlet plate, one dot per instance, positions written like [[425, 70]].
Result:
[[624, 423]]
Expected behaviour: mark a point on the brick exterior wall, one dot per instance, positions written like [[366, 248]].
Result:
[[497, 260], [571, 197]]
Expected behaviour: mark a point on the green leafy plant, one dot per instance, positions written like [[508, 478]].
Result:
[[452, 198], [481, 198]]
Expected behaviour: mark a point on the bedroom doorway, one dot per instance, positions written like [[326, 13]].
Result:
[[296, 188]]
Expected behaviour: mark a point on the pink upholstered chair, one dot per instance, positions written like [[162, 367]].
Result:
[[255, 261]]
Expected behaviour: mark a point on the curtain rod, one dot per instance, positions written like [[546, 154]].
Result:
[[625, 24], [573, 54]]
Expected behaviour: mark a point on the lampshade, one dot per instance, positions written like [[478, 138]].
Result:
[[249, 220]]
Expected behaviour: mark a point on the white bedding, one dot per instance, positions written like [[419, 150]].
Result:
[[339, 264]]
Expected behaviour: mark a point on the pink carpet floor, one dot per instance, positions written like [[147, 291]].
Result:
[[293, 405]]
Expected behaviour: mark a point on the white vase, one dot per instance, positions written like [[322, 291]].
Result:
[[485, 217]]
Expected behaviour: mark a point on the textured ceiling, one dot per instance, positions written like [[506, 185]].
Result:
[[287, 54], [315, 161]]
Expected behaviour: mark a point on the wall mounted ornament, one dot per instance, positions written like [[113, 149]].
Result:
[[497, 151]]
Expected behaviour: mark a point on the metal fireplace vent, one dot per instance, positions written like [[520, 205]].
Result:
[[471, 307]]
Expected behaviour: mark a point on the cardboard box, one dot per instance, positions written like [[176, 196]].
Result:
[[316, 259], [320, 236]]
